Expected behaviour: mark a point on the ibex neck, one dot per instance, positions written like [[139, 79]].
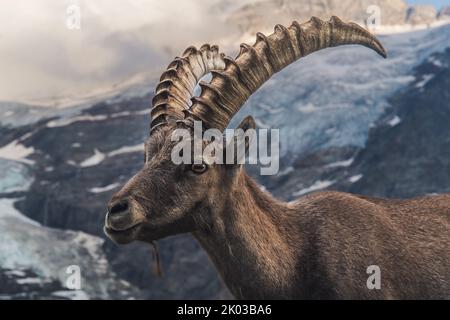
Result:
[[247, 241]]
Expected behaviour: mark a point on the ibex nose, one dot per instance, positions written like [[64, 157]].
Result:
[[118, 207], [119, 216]]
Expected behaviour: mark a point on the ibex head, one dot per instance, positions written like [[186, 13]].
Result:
[[165, 198]]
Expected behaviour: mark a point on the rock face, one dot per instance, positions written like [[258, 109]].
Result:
[[444, 13], [255, 16], [409, 157], [349, 121], [26, 284], [36, 260], [407, 151], [421, 14]]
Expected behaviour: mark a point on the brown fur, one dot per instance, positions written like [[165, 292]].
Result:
[[316, 248]]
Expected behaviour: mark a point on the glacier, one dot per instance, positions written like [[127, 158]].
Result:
[[25, 244], [333, 97]]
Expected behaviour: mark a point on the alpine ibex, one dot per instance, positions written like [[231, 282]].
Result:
[[319, 247]]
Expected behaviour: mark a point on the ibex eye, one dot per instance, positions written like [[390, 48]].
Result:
[[199, 168]]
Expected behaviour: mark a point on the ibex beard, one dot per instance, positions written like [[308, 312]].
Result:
[[318, 247]]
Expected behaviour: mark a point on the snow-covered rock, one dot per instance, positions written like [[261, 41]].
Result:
[[348, 87], [25, 244]]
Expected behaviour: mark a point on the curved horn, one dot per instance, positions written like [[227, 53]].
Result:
[[229, 89], [176, 86]]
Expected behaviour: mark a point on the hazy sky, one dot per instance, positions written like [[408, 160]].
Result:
[[41, 57], [437, 3]]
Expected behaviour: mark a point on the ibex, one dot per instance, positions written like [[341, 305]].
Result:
[[321, 246]]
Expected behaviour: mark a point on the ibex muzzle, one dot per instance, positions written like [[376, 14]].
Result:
[[318, 247], [124, 217]]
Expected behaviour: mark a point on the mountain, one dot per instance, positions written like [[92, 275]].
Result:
[[253, 17], [444, 13], [348, 121], [421, 14]]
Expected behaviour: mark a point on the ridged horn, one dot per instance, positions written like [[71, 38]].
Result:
[[176, 86], [230, 88]]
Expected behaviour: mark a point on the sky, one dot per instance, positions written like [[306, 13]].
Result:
[[437, 3], [42, 57], [44, 54]]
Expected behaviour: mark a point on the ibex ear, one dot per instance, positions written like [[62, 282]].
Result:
[[240, 142], [247, 123]]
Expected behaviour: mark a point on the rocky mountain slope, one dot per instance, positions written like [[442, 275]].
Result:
[[348, 121], [253, 17]]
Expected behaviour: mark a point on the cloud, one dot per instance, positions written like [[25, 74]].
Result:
[[41, 57]]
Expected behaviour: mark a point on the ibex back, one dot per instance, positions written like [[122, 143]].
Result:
[[319, 247]]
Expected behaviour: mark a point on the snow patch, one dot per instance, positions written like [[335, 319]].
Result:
[[286, 171], [16, 151], [127, 149], [67, 121], [426, 78], [338, 164], [14, 176], [8, 113], [121, 114], [71, 163], [356, 178], [99, 156], [96, 159], [7, 210], [394, 121], [308, 108], [71, 294], [16, 273], [29, 281], [105, 188], [436, 62], [318, 185], [404, 28]]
